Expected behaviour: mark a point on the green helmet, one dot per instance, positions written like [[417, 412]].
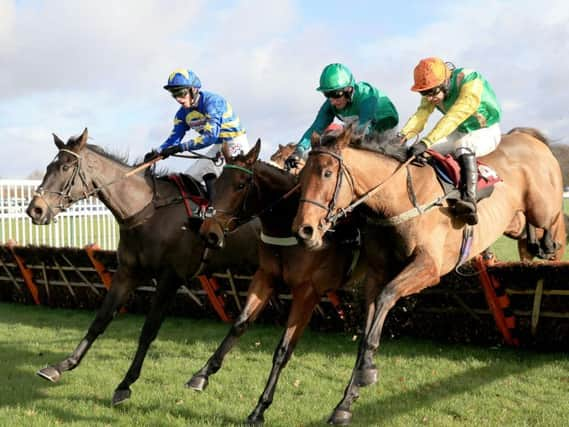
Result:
[[334, 77]]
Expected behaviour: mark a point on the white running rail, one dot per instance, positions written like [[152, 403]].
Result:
[[87, 221]]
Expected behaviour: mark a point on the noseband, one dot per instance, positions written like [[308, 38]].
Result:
[[331, 217]]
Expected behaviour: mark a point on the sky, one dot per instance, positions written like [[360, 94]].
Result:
[[66, 65]]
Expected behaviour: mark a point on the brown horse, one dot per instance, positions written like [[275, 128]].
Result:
[[409, 249], [283, 152], [157, 239], [250, 188]]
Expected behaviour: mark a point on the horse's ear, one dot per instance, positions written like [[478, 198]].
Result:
[[79, 142], [315, 140], [58, 142], [358, 134], [281, 147], [253, 154]]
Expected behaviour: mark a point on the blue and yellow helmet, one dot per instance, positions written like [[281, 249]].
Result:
[[182, 77]]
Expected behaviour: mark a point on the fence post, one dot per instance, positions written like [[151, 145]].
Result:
[[104, 274], [27, 274]]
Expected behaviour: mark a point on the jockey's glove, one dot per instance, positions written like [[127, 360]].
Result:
[[173, 149], [292, 162], [151, 155], [417, 149]]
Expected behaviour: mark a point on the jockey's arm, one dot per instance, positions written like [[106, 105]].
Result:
[[178, 131], [377, 111], [323, 119], [417, 121], [465, 105]]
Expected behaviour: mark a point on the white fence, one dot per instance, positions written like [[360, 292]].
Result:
[[87, 221]]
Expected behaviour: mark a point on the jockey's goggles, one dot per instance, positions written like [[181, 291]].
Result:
[[180, 92], [431, 92], [334, 94]]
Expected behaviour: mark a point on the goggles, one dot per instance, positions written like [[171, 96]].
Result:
[[334, 94], [180, 93], [431, 92]]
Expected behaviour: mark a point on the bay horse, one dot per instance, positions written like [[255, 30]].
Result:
[[157, 239], [249, 188], [409, 249]]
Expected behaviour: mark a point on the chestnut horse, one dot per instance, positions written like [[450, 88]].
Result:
[[279, 157], [157, 240], [250, 188], [409, 249]]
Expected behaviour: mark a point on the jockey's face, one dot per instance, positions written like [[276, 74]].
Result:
[[435, 95], [185, 101], [339, 98]]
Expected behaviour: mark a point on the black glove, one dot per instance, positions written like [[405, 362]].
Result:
[[292, 162], [168, 151], [417, 149], [151, 155]]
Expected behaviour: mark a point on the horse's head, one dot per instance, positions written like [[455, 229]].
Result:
[[326, 186], [63, 183], [232, 189], [283, 152]]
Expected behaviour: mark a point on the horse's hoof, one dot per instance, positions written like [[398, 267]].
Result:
[[198, 383], [255, 420], [120, 396], [340, 418], [365, 377], [49, 373]]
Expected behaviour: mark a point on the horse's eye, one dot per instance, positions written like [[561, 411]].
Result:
[[65, 167], [327, 174], [241, 186]]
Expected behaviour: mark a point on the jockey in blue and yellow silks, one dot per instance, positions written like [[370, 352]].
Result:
[[208, 114], [470, 125]]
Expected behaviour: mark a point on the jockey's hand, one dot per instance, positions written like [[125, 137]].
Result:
[[151, 155], [173, 149], [402, 139], [292, 162], [418, 149]]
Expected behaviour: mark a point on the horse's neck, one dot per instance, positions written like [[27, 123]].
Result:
[[272, 185], [124, 196], [372, 169]]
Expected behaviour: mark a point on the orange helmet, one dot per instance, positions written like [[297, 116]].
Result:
[[429, 73]]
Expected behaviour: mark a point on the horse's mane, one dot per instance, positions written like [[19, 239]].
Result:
[[119, 158], [532, 132], [373, 141]]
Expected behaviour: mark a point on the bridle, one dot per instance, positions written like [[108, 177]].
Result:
[[65, 198], [331, 216], [234, 216]]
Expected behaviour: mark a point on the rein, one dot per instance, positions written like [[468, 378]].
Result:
[[234, 217], [65, 193], [331, 217]]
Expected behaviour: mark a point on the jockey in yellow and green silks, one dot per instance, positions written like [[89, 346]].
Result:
[[348, 101], [210, 116], [470, 125]]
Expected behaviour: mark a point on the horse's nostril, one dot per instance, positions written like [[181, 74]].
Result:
[[37, 212], [212, 239], [306, 232]]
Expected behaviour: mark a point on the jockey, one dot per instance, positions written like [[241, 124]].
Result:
[[349, 102], [470, 125], [208, 114]]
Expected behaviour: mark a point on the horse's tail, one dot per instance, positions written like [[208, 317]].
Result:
[[530, 131]]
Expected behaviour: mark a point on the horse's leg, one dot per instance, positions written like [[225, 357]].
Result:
[[258, 295], [121, 287], [420, 273], [165, 292], [303, 302]]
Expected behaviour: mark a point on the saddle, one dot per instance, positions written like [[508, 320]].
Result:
[[447, 170], [192, 195]]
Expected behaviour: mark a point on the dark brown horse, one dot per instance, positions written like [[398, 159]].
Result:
[[279, 157], [157, 239], [409, 249], [248, 188]]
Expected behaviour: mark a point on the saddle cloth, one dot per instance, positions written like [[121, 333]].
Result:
[[447, 169]]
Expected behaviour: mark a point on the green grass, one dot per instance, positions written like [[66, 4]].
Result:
[[421, 382]]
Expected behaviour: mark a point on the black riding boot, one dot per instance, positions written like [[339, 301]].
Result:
[[466, 208], [209, 180]]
